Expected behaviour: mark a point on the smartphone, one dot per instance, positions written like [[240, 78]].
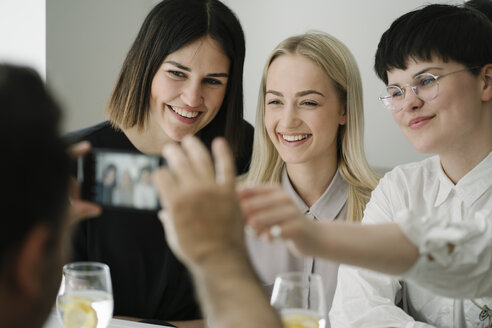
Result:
[[119, 179]]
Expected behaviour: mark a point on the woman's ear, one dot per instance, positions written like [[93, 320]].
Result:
[[486, 76], [343, 116]]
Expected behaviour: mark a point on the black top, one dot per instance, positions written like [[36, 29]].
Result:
[[148, 281]]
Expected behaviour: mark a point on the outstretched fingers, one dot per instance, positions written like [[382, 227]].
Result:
[[258, 199], [166, 184], [247, 191], [199, 158], [263, 221], [178, 162], [190, 166], [225, 171]]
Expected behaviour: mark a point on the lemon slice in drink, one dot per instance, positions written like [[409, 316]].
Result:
[[78, 313], [299, 321]]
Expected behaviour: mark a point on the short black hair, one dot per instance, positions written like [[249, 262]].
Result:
[[483, 6], [34, 165], [171, 25], [444, 31]]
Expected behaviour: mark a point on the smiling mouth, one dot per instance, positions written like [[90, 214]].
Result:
[[183, 112], [294, 138], [420, 120]]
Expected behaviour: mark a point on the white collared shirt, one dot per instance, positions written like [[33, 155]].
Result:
[[270, 259], [432, 212]]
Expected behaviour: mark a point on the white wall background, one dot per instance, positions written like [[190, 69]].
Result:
[[22, 33], [88, 39], [86, 43]]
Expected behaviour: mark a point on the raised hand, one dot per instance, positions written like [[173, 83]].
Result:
[[201, 213], [269, 211]]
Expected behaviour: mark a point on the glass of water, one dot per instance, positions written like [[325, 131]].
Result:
[[85, 299], [300, 299]]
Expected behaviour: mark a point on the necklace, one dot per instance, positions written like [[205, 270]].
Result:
[[485, 314]]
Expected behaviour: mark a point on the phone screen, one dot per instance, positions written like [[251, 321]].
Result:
[[119, 179]]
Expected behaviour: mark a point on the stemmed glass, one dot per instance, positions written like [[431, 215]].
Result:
[[85, 298], [299, 298]]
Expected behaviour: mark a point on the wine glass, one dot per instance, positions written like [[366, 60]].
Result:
[[85, 299], [299, 297]]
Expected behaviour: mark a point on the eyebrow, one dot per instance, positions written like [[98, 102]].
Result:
[[184, 68], [425, 70], [298, 94]]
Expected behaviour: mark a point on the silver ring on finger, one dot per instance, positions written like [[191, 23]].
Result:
[[276, 232]]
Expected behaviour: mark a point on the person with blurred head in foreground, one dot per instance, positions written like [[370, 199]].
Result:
[[36, 216]]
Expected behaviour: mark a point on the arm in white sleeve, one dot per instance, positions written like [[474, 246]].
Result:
[[367, 299], [455, 257]]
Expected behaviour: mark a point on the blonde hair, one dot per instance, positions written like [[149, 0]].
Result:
[[339, 64]]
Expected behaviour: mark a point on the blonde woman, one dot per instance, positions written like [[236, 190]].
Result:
[[309, 138]]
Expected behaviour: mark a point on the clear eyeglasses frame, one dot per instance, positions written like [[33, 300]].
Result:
[[425, 86]]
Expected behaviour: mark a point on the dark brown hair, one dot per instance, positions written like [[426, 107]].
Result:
[[169, 26]]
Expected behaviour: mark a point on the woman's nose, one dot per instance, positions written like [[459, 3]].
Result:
[[290, 116], [411, 101], [192, 94]]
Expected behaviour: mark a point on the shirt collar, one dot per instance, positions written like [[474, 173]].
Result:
[[470, 187], [328, 205]]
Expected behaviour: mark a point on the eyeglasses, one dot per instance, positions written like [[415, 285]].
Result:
[[425, 86]]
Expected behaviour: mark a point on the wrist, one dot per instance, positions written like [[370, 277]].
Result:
[[224, 282], [220, 259]]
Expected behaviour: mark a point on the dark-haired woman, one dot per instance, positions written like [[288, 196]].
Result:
[[182, 76]]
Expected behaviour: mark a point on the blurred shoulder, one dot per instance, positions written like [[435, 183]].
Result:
[[88, 133]]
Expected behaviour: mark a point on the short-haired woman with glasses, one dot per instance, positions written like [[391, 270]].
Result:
[[439, 90], [427, 222]]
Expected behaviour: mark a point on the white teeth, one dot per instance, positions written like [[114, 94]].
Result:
[[295, 138], [184, 113]]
